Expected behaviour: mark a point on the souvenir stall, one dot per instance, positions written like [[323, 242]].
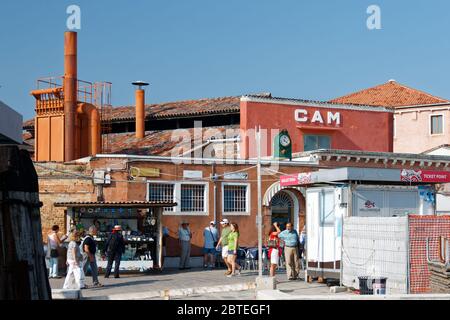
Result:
[[141, 229], [332, 195]]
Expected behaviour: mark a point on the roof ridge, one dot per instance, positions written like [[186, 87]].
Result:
[[392, 91], [180, 101], [423, 92]]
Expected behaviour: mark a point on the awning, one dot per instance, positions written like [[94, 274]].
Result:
[[408, 176], [120, 204]]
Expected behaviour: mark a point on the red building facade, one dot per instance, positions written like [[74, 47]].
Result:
[[315, 125]]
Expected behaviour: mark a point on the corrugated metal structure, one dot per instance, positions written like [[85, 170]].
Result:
[[376, 246]]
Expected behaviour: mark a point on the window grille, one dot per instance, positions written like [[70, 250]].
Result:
[[235, 198], [192, 198], [161, 192]]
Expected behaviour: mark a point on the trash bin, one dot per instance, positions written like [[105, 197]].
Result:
[[372, 285], [365, 285], [379, 286]]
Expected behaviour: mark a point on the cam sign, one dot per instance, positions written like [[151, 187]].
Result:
[[301, 115]]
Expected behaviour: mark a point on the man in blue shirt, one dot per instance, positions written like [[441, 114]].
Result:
[[211, 236], [291, 243]]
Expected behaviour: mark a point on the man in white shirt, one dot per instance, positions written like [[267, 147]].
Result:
[[185, 236], [210, 236]]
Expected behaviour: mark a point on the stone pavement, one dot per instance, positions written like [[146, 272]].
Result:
[[209, 284]]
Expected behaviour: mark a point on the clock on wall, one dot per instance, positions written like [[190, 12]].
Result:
[[283, 145]]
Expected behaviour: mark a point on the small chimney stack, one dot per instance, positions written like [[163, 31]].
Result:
[[140, 108], [70, 93]]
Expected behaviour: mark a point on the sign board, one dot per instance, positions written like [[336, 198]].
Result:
[[192, 174], [144, 172], [408, 175], [299, 179], [236, 176]]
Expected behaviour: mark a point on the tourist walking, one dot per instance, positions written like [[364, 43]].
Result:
[[291, 251], [210, 236], [223, 241], [274, 248], [233, 248], [74, 259], [89, 247], [115, 247], [53, 246], [184, 237]]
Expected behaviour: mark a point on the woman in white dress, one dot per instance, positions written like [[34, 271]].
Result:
[[74, 263]]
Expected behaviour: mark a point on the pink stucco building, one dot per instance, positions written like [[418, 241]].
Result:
[[420, 119]]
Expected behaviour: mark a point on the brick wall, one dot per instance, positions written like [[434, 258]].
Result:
[[58, 183]]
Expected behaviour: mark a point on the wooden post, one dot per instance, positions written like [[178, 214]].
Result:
[[23, 273]]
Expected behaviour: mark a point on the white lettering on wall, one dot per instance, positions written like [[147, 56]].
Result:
[[317, 117], [334, 117], [301, 115]]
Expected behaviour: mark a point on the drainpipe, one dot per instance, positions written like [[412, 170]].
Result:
[[214, 179]]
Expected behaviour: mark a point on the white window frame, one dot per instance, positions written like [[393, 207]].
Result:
[[177, 197], [430, 124], [248, 199], [394, 126]]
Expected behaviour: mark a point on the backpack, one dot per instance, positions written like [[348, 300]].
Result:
[[82, 245]]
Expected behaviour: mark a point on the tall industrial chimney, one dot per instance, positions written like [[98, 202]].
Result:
[[70, 93], [140, 108]]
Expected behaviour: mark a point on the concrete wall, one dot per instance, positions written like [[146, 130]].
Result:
[[10, 123], [415, 123], [376, 247]]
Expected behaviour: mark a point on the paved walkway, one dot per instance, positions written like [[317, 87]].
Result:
[[149, 286]]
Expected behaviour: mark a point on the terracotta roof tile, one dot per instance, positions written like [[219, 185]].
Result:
[[164, 143], [390, 94], [187, 108]]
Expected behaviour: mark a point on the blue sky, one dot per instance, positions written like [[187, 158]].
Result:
[[203, 48]]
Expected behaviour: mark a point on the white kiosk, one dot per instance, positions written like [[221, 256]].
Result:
[[333, 194]]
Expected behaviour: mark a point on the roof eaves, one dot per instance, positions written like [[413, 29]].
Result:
[[315, 103]]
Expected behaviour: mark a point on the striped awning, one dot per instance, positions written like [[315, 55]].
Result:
[[274, 189]]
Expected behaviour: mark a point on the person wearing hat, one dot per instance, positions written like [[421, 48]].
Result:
[[114, 247], [210, 236], [184, 237], [224, 242]]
